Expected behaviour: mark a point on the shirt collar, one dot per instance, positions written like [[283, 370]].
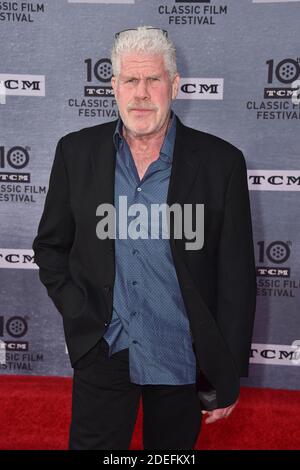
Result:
[[118, 137], [167, 149]]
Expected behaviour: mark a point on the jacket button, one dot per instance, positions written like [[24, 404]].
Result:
[[107, 288]]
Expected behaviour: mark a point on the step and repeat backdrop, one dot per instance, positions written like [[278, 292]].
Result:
[[239, 62]]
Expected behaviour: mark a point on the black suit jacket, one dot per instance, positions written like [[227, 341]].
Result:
[[217, 282]]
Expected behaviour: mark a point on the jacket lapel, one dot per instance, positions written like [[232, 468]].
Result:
[[103, 161], [185, 166]]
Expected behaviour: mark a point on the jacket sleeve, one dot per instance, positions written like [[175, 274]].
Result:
[[55, 237], [236, 269]]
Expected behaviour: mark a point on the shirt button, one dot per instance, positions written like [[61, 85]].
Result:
[[133, 314], [134, 341], [135, 251], [139, 189], [134, 283]]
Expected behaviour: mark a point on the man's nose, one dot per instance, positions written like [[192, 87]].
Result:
[[141, 89]]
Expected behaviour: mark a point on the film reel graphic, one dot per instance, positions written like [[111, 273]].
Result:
[[287, 71], [103, 70], [278, 252], [16, 327], [17, 157]]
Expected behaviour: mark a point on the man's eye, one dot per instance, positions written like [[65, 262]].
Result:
[[131, 80]]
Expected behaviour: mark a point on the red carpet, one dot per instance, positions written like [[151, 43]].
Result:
[[35, 414]]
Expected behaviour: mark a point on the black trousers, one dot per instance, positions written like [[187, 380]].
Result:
[[105, 405]]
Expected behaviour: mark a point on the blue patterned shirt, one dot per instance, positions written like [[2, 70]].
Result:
[[149, 316]]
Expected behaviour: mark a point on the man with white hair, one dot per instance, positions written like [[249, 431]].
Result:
[[152, 317]]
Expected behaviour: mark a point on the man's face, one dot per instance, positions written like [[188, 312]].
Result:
[[144, 91]]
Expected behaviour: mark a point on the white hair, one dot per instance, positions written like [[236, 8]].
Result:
[[147, 40]]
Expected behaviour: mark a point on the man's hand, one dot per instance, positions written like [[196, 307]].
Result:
[[219, 413]]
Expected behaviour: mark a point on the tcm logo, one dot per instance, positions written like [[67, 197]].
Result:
[[17, 259], [201, 89], [274, 180], [16, 158], [16, 327], [101, 72], [285, 73], [276, 253], [275, 354], [22, 85]]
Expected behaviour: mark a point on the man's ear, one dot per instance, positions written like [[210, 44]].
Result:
[[113, 82], [175, 86]]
